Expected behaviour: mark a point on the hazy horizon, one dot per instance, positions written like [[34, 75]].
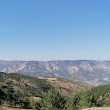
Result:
[[48, 30], [53, 59]]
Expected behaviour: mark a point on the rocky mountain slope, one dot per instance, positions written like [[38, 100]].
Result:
[[89, 71]]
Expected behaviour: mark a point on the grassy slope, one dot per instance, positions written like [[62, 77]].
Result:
[[66, 87], [30, 85]]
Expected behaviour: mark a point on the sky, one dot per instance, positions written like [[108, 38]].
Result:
[[54, 30]]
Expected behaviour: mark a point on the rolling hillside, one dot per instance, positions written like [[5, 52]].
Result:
[[66, 87], [25, 91]]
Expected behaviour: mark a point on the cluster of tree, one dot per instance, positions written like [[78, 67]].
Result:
[[51, 100], [95, 97], [15, 90]]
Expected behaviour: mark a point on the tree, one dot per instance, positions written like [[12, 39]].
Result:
[[53, 100], [2, 96]]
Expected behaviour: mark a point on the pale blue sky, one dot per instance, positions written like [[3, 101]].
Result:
[[54, 29]]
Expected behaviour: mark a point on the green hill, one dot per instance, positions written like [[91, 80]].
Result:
[[28, 85], [95, 97], [17, 90]]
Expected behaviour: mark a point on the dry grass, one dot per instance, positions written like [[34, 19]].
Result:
[[95, 108], [98, 108], [66, 88], [7, 108], [36, 99], [50, 79]]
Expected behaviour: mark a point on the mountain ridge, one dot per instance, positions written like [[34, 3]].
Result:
[[93, 72]]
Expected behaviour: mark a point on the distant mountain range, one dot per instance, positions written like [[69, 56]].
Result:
[[89, 71]]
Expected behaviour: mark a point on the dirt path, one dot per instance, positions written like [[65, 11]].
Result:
[[98, 108], [7, 108]]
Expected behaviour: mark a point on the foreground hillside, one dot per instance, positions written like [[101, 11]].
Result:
[[25, 84], [26, 92], [29, 92], [89, 71]]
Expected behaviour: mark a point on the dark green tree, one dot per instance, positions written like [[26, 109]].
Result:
[[53, 100]]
